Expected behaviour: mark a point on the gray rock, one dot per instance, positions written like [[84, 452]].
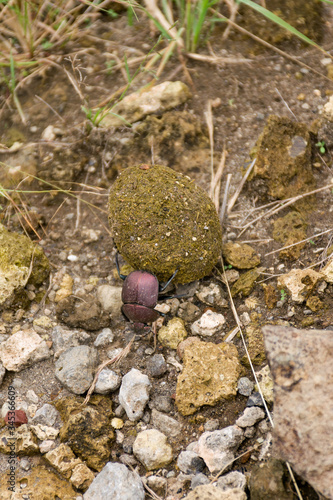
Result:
[[161, 402], [211, 492], [188, 311], [134, 393], [211, 425], [64, 338], [47, 415], [110, 299], [189, 462], [250, 416], [166, 424], [211, 295], [209, 324], [115, 482], [75, 368], [255, 400], [104, 338], [245, 386], [158, 484], [218, 448], [23, 349], [156, 365], [198, 480], [113, 352], [152, 449], [302, 370], [108, 381], [267, 482], [232, 480], [3, 337]]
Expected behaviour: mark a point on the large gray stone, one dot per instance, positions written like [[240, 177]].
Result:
[[302, 370], [75, 368], [217, 448], [23, 349], [134, 393], [115, 482]]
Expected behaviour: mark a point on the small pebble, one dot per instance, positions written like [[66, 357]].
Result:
[[245, 386], [255, 400], [156, 365]]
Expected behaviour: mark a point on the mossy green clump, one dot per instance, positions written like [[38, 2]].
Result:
[[284, 158], [289, 230], [22, 262], [161, 221]]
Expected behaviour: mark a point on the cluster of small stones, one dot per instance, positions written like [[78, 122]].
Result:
[[143, 425]]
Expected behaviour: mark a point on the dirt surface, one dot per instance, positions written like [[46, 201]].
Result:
[[243, 95]]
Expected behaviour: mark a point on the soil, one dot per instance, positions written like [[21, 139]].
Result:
[[243, 96]]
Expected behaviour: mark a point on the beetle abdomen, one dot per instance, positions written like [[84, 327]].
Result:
[[139, 314]]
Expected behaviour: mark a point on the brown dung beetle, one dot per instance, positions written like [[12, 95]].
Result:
[[140, 294]]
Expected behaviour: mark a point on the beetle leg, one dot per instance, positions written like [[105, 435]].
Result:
[[121, 276], [166, 297], [161, 288]]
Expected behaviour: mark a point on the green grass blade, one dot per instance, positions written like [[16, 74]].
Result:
[[277, 20]]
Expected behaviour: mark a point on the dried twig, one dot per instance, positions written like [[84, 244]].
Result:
[[234, 310], [301, 241], [284, 204], [225, 199], [114, 360], [240, 187]]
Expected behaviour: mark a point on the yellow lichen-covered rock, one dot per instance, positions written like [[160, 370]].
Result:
[[173, 333], [22, 262], [39, 484], [240, 255], [161, 221], [210, 373], [289, 230]]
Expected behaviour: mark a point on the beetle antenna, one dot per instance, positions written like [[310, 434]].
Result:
[[121, 276], [162, 288]]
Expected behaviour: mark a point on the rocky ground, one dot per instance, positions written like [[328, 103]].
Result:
[[186, 419]]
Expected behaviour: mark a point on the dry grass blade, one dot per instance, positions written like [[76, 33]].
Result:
[[157, 14], [150, 491], [218, 60], [240, 187], [301, 241], [233, 9], [234, 310], [209, 120], [225, 199], [218, 180], [284, 204], [114, 360]]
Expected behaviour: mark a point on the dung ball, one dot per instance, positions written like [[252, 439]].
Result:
[[162, 221]]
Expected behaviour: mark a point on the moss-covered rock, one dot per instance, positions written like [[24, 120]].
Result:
[[246, 281], [87, 429], [161, 221], [211, 372], [38, 484], [22, 262], [289, 230], [284, 155], [240, 255]]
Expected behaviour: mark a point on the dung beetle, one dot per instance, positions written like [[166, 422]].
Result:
[[140, 294]]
